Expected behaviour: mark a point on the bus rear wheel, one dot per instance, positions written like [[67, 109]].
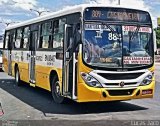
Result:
[[55, 89], [17, 77]]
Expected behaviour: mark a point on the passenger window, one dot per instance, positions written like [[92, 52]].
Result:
[[26, 38], [58, 34], [18, 38], [13, 36], [6, 40], [46, 35]]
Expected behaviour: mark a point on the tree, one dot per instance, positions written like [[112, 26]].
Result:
[[158, 37]]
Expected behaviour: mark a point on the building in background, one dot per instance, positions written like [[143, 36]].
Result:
[[1, 46]]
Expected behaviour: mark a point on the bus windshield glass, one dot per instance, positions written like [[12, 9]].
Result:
[[117, 38], [102, 45], [117, 46], [137, 46]]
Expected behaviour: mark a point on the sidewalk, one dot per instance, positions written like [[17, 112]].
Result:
[[157, 58], [157, 63]]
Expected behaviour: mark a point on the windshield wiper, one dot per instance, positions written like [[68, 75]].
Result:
[[133, 35], [113, 31], [135, 32]]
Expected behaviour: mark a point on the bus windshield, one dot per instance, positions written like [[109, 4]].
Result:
[[117, 37], [117, 46]]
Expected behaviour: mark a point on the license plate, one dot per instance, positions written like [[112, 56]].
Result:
[[144, 92]]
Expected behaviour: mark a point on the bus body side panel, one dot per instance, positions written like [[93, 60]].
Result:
[[5, 60], [43, 76], [24, 66], [20, 58], [24, 71], [13, 66], [46, 62]]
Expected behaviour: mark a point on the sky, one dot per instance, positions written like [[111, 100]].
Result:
[[20, 10]]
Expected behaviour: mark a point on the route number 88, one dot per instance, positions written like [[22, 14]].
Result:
[[112, 36]]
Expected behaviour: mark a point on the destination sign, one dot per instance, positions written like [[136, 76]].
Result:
[[134, 28], [132, 16], [116, 14], [137, 60]]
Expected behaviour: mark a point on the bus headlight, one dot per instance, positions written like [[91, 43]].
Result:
[[91, 81], [147, 80]]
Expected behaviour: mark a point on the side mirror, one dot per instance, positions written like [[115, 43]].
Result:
[[154, 40]]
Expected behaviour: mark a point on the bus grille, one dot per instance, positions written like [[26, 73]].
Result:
[[120, 92], [120, 76], [117, 84]]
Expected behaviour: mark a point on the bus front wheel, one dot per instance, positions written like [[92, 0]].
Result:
[[17, 77], [55, 89]]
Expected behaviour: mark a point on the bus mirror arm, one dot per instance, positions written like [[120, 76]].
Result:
[[77, 37], [76, 45]]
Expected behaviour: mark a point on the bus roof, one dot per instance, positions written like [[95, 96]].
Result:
[[65, 11]]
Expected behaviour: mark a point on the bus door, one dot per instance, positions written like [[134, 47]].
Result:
[[69, 62], [32, 56]]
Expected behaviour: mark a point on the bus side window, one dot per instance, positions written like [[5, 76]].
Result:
[[58, 33], [45, 39], [6, 40], [26, 38], [18, 38], [13, 35]]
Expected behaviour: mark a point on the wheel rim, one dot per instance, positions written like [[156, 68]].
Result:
[[57, 89]]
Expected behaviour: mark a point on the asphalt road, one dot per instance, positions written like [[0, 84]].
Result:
[[27, 103]]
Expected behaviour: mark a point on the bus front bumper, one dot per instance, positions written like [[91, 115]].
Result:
[[89, 94]]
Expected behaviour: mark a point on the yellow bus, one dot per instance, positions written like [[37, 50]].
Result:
[[85, 53]]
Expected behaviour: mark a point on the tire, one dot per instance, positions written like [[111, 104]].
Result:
[[17, 77], [55, 89]]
